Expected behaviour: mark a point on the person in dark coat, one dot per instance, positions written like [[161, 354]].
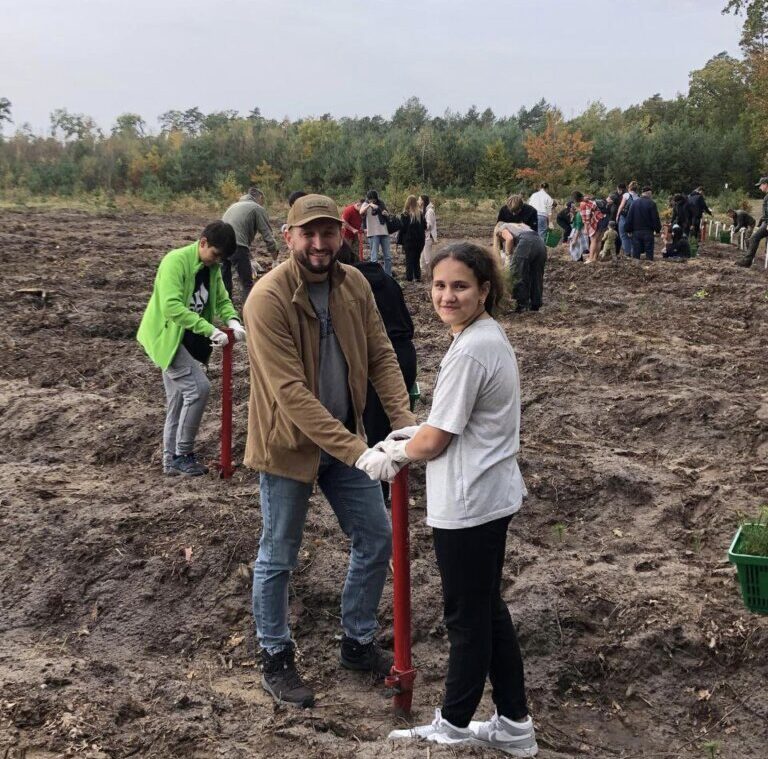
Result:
[[563, 220], [529, 257], [741, 220], [399, 326], [681, 213], [515, 211], [760, 232], [679, 246], [697, 207], [412, 237], [642, 223]]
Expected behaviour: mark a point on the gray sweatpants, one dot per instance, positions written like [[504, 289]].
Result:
[[186, 389]]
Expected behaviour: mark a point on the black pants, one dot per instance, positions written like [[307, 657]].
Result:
[[642, 242], [528, 262], [754, 242], [241, 258], [412, 263], [695, 229], [375, 419], [480, 630]]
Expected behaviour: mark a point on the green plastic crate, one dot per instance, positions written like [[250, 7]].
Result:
[[753, 576], [414, 394], [553, 238]]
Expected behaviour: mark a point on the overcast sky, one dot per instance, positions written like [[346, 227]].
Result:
[[346, 57]]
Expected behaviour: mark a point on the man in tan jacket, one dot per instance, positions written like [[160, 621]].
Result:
[[315, 338]]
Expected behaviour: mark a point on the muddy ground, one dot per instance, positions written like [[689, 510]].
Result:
[[125, 627]]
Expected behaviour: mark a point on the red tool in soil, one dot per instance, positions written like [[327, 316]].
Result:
[[360, 246], [225, 458], [403, 674]]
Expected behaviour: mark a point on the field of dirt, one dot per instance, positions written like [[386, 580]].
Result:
[[125, 596]]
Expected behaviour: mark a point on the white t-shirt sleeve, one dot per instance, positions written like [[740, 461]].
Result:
[[458, 384]]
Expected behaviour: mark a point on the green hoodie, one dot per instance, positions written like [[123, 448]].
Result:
[[168, 314]]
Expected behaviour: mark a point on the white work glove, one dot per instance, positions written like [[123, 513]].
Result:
[[395, 450], [237, 329], [404, 433], [377, 465], [219, 339]]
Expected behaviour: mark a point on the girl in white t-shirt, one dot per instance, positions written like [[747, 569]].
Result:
[[471, 440]]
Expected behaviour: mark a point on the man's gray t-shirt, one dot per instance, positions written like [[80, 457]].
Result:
[[476, 479], [333, 384]]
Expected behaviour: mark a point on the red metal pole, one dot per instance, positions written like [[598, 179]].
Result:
[[403, 674], [225, 459], [360, 246], [703, 234]]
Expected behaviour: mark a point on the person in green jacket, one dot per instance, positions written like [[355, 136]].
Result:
[[176, 331]]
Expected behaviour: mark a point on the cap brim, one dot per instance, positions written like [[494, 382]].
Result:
[[302, 222]]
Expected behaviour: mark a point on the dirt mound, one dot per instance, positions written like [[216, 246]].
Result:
[[125, 620]]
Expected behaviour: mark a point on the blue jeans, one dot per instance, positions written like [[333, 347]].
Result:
[[359, 506], [543, 226], [381, 240], [626, 240], [642, 242]]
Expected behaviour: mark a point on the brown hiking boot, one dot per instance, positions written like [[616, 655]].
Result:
[[282, 681]]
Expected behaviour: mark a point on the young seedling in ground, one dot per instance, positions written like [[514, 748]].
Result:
[[701, 294], [559, 530], [696, 540], [711, 748]]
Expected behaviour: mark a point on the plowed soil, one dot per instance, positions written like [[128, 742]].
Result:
[[125, 627]]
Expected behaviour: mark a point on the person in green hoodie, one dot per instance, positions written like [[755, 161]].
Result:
[[177, 333]]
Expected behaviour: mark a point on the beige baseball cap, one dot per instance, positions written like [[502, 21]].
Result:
[[311, 207]]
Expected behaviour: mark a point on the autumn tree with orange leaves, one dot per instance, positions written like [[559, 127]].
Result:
[[558, 155]]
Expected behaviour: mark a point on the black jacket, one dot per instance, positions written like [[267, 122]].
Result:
[[411, 234], [525, 215], [698, 205], [681, 214], [742, 220], [643, 216], [389, 300]]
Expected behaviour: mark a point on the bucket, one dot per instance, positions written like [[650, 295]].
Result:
[[553, 237]]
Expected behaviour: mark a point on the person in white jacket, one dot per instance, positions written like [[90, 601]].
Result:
[[542, 202], [430, 236]]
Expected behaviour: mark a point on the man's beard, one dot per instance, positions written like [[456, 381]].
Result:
[[303, 259]]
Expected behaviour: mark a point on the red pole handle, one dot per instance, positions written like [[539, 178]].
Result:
[[360, 248], [403, 674], [225, 459]]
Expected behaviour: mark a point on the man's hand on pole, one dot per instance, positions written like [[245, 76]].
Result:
[[378, 465]]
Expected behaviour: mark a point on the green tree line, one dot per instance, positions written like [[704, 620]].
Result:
[[715, 134]]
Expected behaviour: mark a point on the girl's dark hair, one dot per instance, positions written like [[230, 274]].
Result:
[[577, 196], [484, 265], [424, 201], [372, 195]]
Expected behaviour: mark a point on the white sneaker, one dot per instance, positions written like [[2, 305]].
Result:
[[514, 738], [440, 731]]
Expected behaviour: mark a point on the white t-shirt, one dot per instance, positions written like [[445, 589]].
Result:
[[542, 202], [476, 479], [374, 225]]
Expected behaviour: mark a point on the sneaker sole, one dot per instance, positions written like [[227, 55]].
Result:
[[305, 704], [522, 753]]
